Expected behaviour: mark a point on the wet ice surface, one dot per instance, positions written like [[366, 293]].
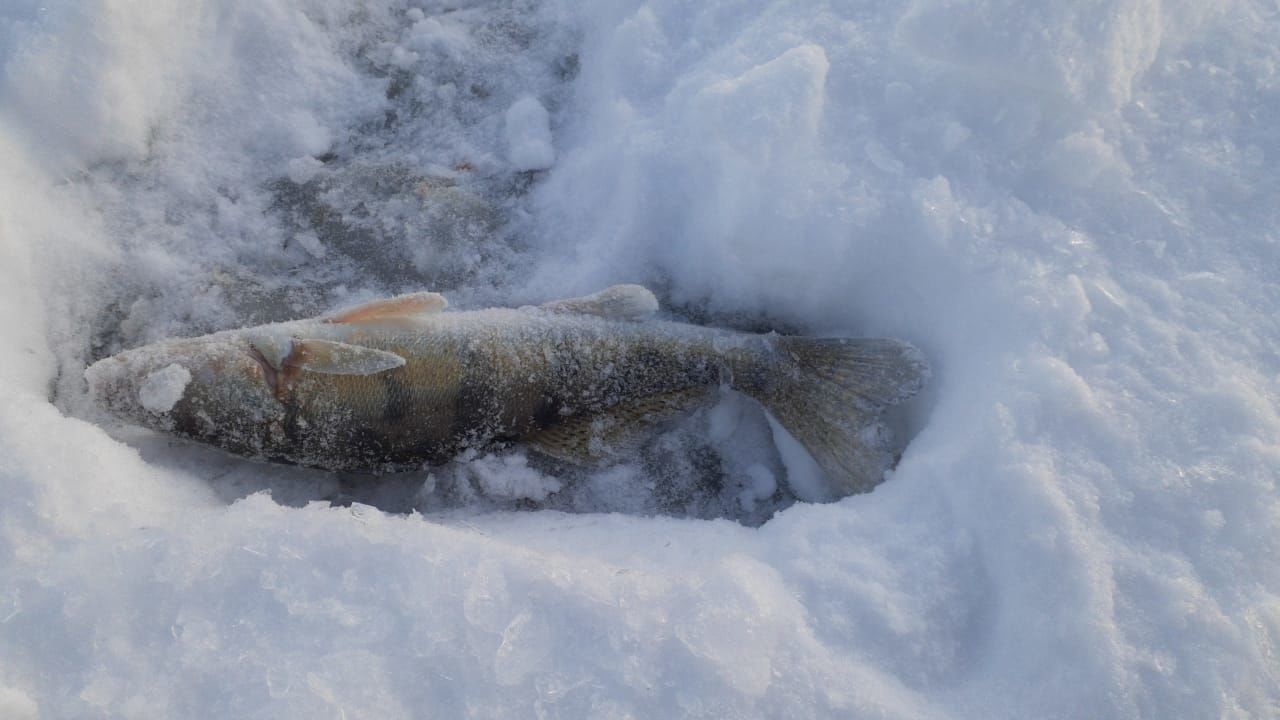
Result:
[[1069, 209]]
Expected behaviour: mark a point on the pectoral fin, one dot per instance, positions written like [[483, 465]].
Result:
[[620, 302], [400, 307], [609, 436], [336, 358]]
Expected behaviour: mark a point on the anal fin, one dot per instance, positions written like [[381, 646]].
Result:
[[606, 437]]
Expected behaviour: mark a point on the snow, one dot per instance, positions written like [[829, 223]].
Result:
[[509, 476], [17, 705], [528, 134], [302, 170], [162, 389], [1068, 207]]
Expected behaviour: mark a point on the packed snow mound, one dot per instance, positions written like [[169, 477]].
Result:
[[1069, 208]]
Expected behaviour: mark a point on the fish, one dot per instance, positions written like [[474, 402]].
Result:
[[405, 382]]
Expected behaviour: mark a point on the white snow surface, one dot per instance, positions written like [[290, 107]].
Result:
[[1069, 207]]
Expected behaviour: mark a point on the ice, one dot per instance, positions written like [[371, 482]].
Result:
[[528, 134], [763, 485], [162, 389], [1070, 208], [804, 477]]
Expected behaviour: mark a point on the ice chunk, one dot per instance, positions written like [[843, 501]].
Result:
[[510, 477], [163, 388], [302, 169], [760, 485], [528, 134], [804, 477], [308, 133]]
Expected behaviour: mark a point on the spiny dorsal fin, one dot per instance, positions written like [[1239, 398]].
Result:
[[620, 302], [400, 307], [599, 439], [336, 358]]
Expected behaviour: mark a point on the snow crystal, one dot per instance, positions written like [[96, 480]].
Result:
[[163, 388]]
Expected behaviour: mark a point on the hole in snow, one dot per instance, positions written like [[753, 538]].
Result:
[[417, 193]]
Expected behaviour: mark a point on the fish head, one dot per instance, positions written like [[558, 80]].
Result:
[[216, 389]]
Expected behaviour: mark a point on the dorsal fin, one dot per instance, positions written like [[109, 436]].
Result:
[[400, 307], [620, 302]]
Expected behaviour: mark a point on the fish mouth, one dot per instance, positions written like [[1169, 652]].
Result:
[[125, 386]]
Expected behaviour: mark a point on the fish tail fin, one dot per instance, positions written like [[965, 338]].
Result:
[[829, 394]]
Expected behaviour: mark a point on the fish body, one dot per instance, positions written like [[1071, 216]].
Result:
[[402, 382]]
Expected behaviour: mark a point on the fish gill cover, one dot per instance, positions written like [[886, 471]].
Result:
[[1069, 208]]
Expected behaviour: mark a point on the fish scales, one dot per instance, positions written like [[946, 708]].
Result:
[[477, 377]]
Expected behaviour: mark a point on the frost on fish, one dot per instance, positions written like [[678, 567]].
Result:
[[396, 383]]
